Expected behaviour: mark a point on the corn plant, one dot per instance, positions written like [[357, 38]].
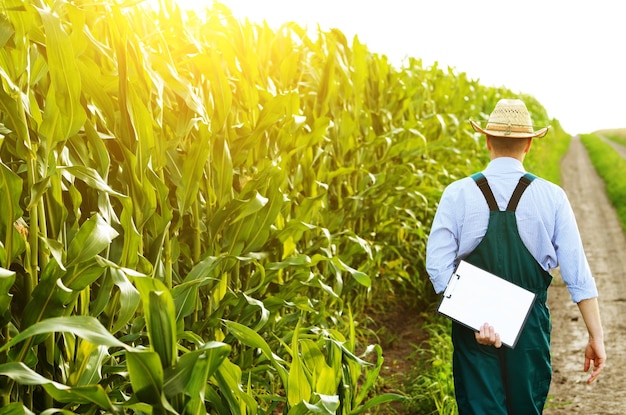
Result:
[[196, 210]]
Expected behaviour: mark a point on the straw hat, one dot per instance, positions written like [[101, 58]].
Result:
[[510, 118]]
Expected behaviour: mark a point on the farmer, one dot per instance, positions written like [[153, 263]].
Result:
[[520, 227]]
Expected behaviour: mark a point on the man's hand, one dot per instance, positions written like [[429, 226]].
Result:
[[488, 336], [595, 348], [594, 352]]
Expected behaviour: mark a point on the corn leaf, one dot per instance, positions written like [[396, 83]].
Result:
[[57, 289], [22, 374], [87, 366], [228, 377], [179, 377], [361, 277], [7, 279], [377, 401], [63, 114], [10, 195], [15, 408], [261, 227], [93, 237], [162, 326], [323, 376], [192, 169], [128, 301], [222, 164], [146, 375], [85, 327], [91, 177], [248, 337], [298, 385], [160, 318], [14, 118]]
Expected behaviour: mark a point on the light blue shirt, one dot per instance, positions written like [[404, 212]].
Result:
[[545, 221]]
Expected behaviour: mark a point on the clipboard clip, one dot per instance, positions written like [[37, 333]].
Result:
[[451, 286]]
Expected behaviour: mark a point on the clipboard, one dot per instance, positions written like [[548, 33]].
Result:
[[474, 297]]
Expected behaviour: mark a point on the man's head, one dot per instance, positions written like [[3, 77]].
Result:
[[508, 147], [509, 130]]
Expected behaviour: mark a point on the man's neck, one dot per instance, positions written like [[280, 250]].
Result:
[[519, 157]]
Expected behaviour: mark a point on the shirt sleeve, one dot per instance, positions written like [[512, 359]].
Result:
[[571, 256], [442, 246]]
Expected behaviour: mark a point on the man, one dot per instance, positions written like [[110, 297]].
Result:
[[519, 227]]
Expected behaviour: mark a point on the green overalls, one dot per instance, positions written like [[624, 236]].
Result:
[[492, 381]]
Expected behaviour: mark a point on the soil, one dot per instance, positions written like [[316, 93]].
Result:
[[605, 246]]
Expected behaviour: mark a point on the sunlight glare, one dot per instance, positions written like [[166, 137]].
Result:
[[240, 8], [274, 12], [429, 31]]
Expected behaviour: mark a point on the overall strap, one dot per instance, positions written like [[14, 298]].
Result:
[[481, 181], [524, 181]]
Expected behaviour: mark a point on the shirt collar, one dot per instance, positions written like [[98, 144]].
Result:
[[505, 165]]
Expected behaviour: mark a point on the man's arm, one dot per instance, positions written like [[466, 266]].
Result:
[[442, 244], [595, 348]]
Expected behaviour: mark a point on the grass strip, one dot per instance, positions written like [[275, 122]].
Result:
[[616, 134], [611, 167]]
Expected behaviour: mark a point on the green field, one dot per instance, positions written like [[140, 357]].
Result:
[[611, 167]]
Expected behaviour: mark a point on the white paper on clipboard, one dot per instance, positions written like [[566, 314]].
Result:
[[474, 297]]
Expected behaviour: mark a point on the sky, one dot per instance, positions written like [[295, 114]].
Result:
[[569, 55]]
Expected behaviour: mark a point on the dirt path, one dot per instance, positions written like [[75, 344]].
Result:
[[605, 245]]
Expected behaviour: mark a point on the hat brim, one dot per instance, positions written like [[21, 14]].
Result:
[[510, 134]]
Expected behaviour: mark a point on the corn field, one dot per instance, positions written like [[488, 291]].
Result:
[[196, 210]]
